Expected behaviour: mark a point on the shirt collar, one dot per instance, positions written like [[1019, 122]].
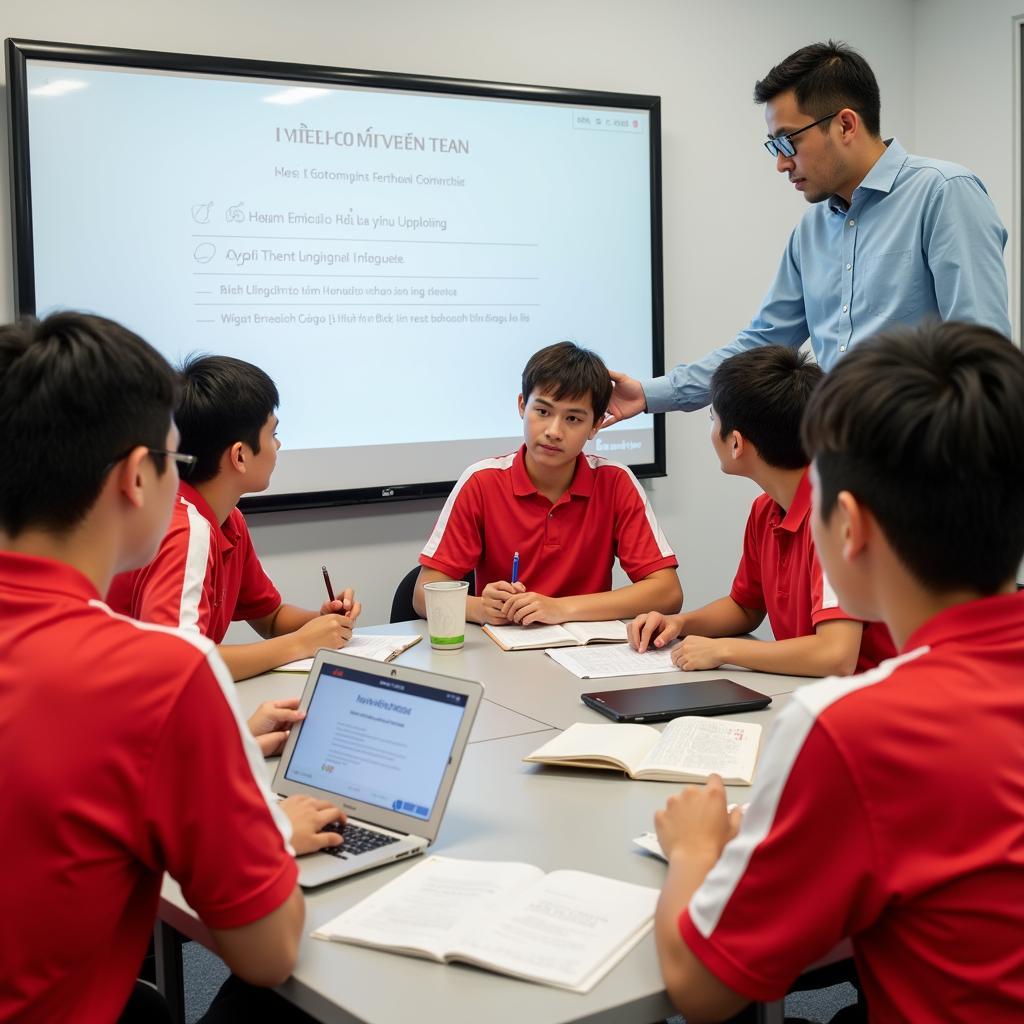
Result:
[[799, 507], [33, 573], [1000, 616], [193, 497], [581, 485], [880, 178]]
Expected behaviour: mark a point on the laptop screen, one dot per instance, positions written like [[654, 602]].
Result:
[[377, 739]]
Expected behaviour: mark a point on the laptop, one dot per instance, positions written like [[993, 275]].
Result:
[[384, 743]]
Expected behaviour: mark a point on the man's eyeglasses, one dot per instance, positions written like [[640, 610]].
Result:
[[185, 462], [782, 145]]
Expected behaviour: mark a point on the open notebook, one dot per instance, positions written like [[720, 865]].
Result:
[[568, 634]]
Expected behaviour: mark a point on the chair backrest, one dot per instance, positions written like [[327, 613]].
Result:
[[401, 605]]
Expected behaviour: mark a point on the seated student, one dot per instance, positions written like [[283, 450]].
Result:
[[758, 399], [206, 573], [887, 806], [124, 753], [568, 515]]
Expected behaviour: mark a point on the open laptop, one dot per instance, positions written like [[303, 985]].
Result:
[[383, 742]]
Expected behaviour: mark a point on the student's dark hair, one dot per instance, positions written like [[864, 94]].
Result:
[[223, 400], [762, 393], [77, 393], [565, 370], [826, 77], [924, 427]]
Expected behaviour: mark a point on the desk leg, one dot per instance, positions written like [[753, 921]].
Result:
[[170, 976], [767, 1013]]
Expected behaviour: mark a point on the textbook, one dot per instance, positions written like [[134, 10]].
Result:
[[362, 645], [689, 750], [569, 634], [567, 928]]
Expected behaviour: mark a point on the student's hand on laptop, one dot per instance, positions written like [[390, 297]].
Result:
[[698, 653], [628, 398], [528, 608], [653, 629], [272, 721], [325, 631], [308, 816], [344, 604], [696, 823], [494, 597]]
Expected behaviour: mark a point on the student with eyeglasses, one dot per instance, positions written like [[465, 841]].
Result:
[[890, 239]]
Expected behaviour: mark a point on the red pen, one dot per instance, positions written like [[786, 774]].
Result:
[[327, 583]]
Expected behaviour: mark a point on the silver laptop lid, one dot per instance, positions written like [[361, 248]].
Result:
[[381, 741]]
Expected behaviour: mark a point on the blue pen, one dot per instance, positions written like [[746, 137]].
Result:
[[515, 567]]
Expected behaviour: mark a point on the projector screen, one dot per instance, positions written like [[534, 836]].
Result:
[[390, 249]]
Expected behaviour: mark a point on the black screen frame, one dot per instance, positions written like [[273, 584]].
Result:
[[20, 51]]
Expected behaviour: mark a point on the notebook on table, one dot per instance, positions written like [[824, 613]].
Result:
[[384, 743]]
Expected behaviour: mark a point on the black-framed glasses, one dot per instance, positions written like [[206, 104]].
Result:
[[782, 145], [184, 462]]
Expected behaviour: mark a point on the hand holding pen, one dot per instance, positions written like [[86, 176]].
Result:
[[346, 604]]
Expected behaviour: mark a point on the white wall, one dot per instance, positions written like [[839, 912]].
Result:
[[726, 213]]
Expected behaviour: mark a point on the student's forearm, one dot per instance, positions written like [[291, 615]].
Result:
[[247, 660], [799, 656], [723, 617], [694, 991], [290, 618], [660, 592]]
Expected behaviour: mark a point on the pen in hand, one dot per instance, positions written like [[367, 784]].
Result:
[[327, 583], [515, 568]]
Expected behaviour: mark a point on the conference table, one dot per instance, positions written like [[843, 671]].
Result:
[[499, 809]]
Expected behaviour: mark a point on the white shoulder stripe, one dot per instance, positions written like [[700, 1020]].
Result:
[[829, 598], [220, 672], [788, 734], [502, 463], [664, 548], [197, 558]]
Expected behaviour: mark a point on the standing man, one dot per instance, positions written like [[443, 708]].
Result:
[[890, 238]]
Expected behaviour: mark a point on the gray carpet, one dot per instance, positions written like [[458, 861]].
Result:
[[205, 973]]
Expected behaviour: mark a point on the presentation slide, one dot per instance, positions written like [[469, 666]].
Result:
[[377, 740], [390, 258]]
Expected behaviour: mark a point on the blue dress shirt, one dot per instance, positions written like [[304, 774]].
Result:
[[920, 240]]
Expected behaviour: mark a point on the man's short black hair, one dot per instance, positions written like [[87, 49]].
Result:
[[925, 428], [566, 371], [77, 393], [223, 400], [825, 78], [763, 393]]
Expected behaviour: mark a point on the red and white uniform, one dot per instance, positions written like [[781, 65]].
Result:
[[108, 783], [888, 807], [565, 548], [779, 572], [204, 576]]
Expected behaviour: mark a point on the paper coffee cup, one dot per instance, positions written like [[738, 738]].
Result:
[[446, 613]]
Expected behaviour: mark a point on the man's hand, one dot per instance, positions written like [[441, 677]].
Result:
[[528, 608], [308, 816], [272, 721], [325, 631], [628, 398], [344, 604], [696, 823], [697, 653], [494, 598], [653, 629]]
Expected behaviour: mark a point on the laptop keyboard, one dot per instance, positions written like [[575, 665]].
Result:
[[356, 840]]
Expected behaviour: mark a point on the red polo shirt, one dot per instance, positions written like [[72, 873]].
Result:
[[124, 757], [779, 572], [889, 808], [205, 575], [565, 548]]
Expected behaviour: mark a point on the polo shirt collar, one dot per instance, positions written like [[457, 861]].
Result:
[[581, 485], [880, 178], [1001, 616], [799, 507], [47, 574], [225, 529]]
